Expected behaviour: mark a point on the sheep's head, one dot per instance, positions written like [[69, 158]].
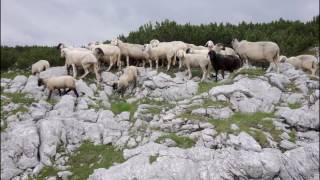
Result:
[[209, 44], [115, 85], [115, 42], [154, 42], [60, 46], [146, 47], [234, 43], [40, 82], [189, 50], [98, 52], [282, 58], [63, 53], [212, 55]]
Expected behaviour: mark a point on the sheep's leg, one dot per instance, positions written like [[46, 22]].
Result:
[[204, 75], [216, 74], [269, 68], [75, 92], [95, 69], [74, 70], [49, 96], [169, 63], [86, 72], [222, 74], [150, 62], [110, 66], [59, 92], [127, 58], [189, 73], [277, 67]]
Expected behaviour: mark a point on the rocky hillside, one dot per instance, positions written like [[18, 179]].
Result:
[[250, 125]]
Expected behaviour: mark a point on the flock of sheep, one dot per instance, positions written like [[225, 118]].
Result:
[[206, 57]]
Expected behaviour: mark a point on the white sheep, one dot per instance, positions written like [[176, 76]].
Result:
[[175, 45], [108, 54], [304, 62], [195, 60], [129, 76], [134, 51], [59, 82], [197, 51], [39, 66], [161, 51], [192, 46], [219, 48], [85, 59], [258, 51]]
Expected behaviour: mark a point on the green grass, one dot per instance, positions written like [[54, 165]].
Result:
[[89, 157], [17, 98], [294, 105], [122, 106], [152, 159], [14, 73], [47, 171], [206, 86], [181, 141], [293, 135], [245, 122], [250, 72], [292, 87]]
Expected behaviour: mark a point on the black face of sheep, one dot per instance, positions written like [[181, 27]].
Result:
[[188, 50], [40, 82], [99, 51]]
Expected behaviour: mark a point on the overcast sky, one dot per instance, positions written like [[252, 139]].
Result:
[[77, 22]]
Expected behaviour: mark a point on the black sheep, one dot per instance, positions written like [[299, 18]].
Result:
[[224, 62]]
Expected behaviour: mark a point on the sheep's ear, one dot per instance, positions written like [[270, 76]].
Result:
[[59, 46]]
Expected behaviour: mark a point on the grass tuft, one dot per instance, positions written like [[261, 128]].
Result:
[[294, 105], [181, 141], [293, 136], [250, 72], [152, 159]]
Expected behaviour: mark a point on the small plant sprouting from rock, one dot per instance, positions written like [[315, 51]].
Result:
[[250, 72], [294, 105], [293, 135], [46, 172], [292, 87], [181, 141], [153, 159]]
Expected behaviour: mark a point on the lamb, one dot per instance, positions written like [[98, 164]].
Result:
[[107, 53], [59, 82], [305, 62], [159, 52], [195, 60], [258, 51], [130, 75], [39, 66], [86, 59], [134, 51], [224, 62]]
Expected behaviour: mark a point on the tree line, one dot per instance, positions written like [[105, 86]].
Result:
[[293, 38]]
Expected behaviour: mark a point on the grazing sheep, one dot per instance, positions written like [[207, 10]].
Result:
[[161, 51], [134, 51], [130, 75], [304, 62], [59, 82], [195, 60], [39, 66], [221, 49], [224, 62], [85, 59], [258, 51], [107, 53]]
